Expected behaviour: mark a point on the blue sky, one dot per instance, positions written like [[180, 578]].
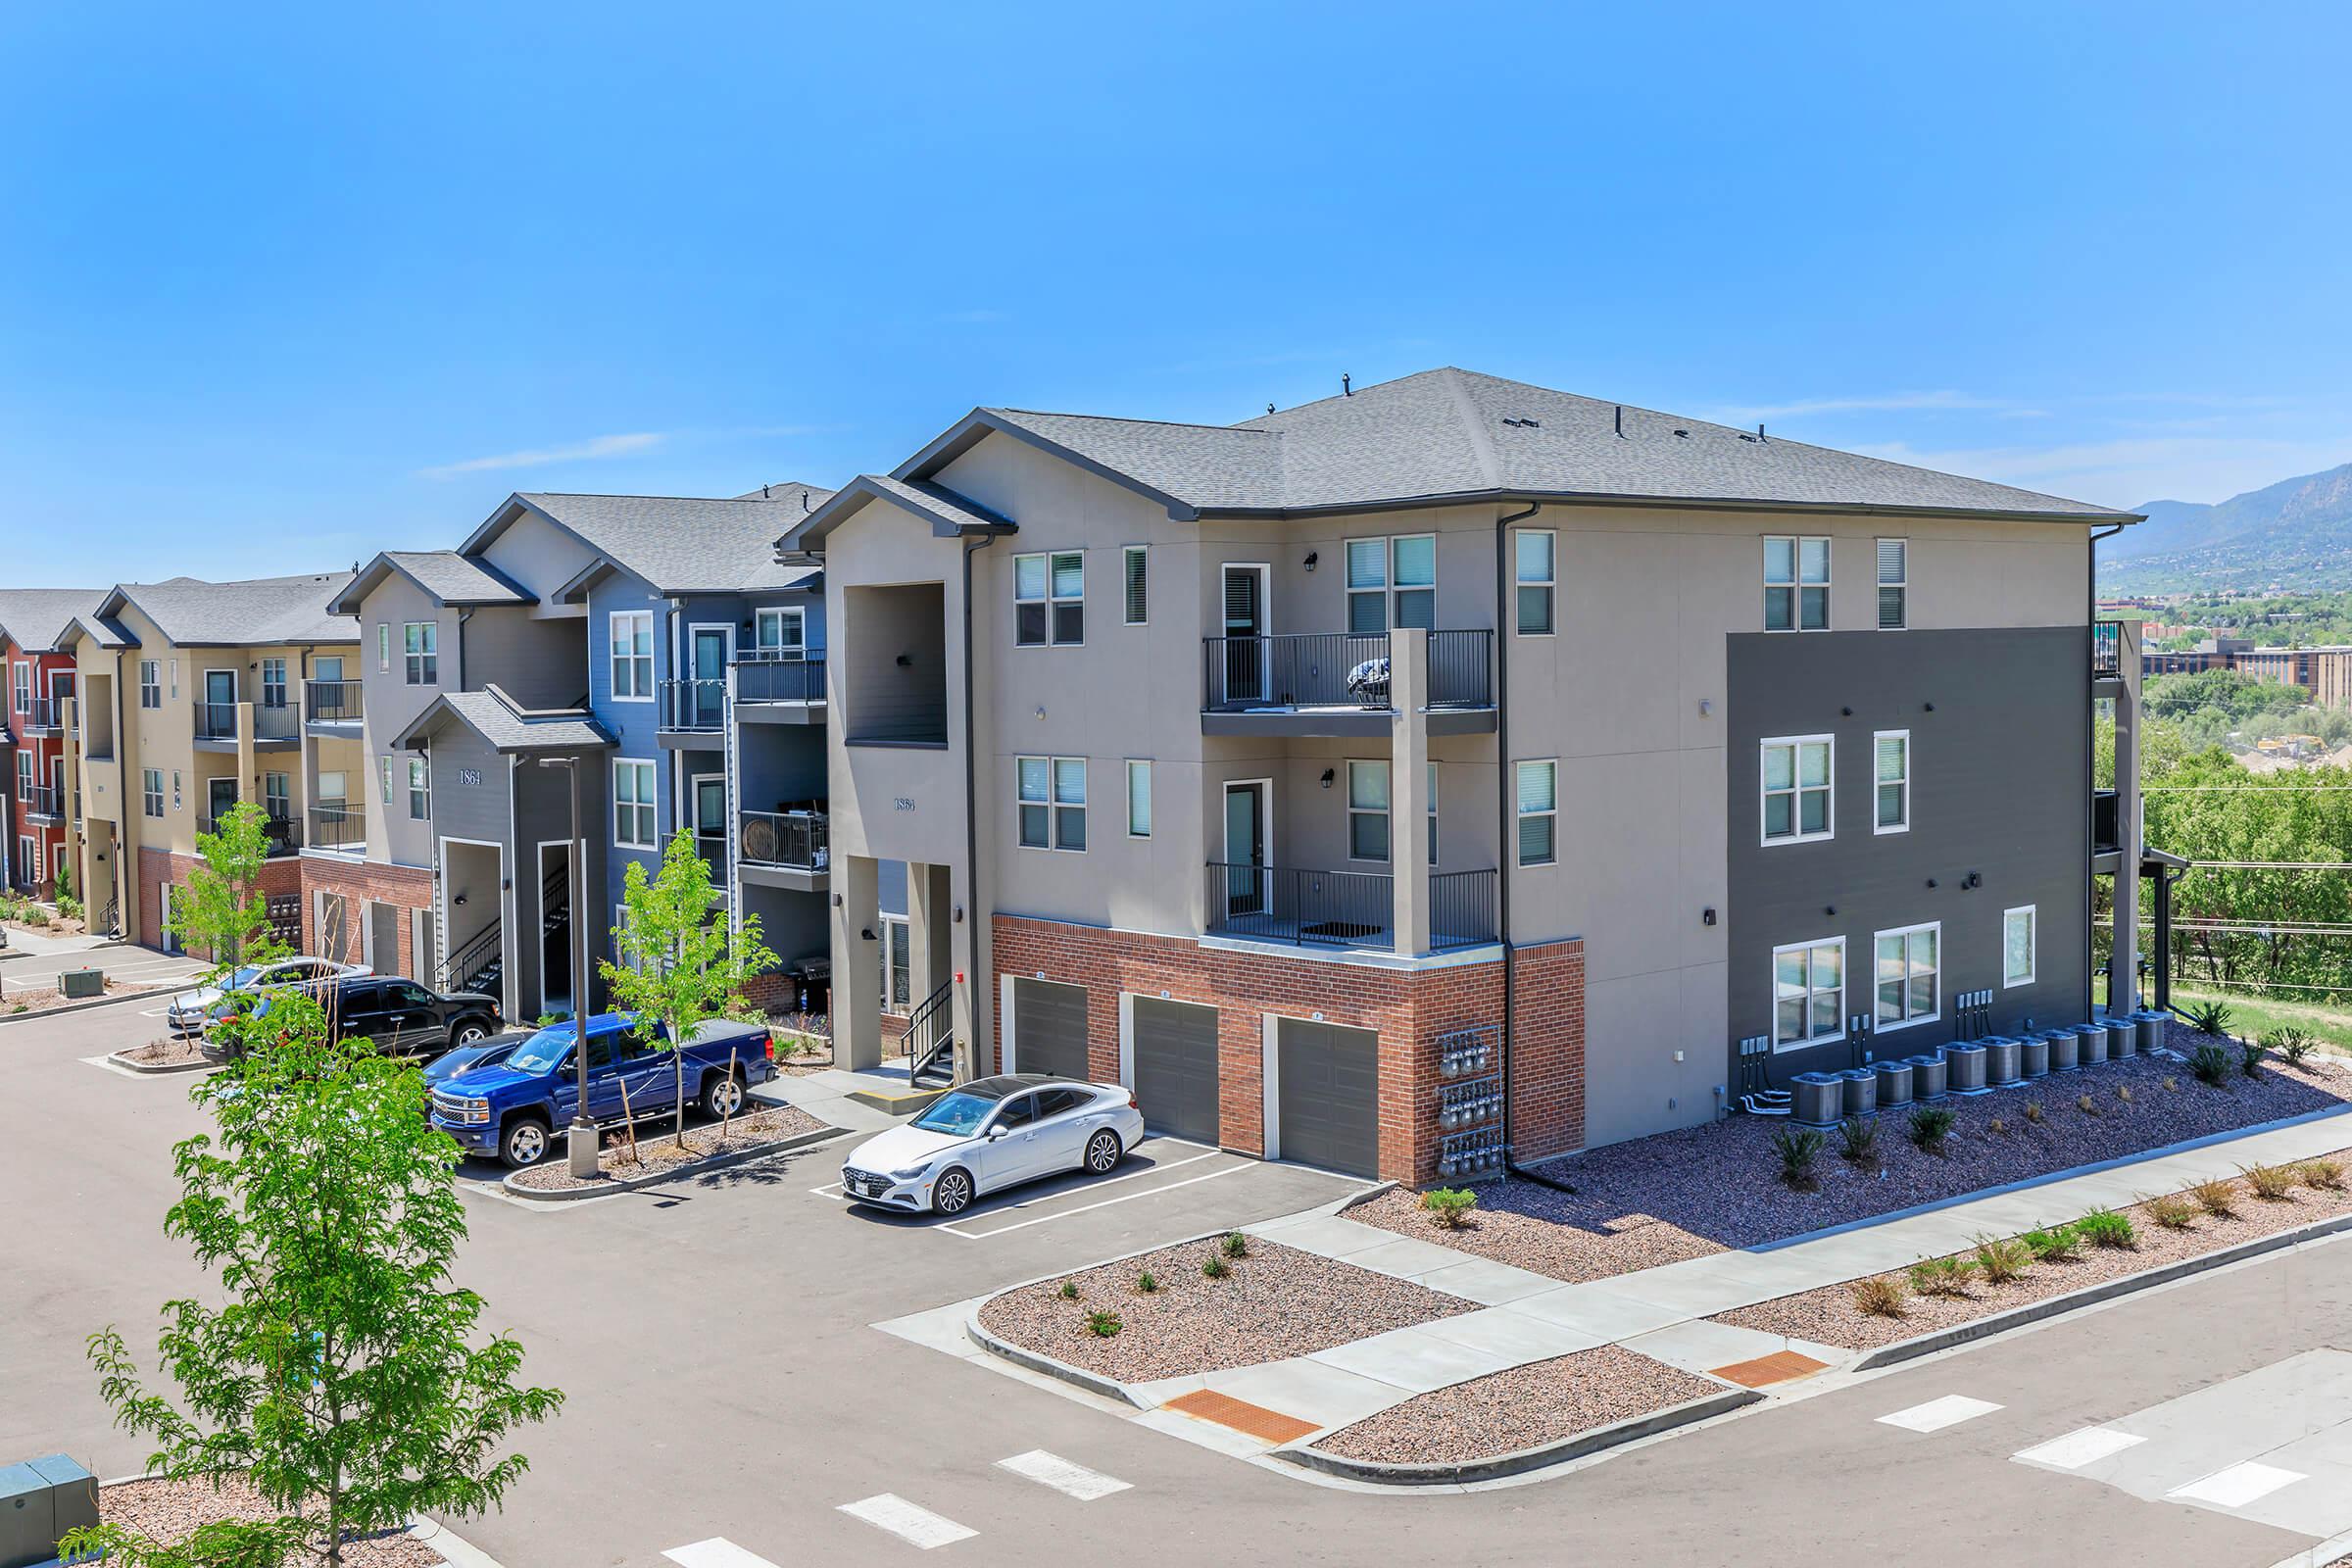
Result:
[[282, 286]]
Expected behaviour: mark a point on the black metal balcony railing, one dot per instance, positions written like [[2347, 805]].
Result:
[[1285, 904], [274, 723], [338, 825], [764, 677], [1339, 670], [694, 705], [793, 839], [712, 848], [282, 834], [331, 702], [217, 722], [44, 800], [43, 714], [1461, 910], [2106, 649]]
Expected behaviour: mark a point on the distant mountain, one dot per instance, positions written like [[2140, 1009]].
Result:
[[2296, 533]]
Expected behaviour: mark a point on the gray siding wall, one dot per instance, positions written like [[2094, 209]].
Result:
[[540, 663], [1997, 789], [887, 700]]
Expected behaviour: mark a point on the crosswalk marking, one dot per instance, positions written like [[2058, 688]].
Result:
[[918, 1526], [717, 1553], [1936, 1414], [2079, 1449], [1073, 1479], [2237, 1486]]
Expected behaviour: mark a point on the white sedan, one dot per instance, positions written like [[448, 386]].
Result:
[[991, 1134], [193, 1011]]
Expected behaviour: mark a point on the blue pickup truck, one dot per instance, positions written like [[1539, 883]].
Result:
[[512, 1109]]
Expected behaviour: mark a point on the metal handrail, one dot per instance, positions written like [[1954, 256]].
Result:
[[2106, 648], [1341, 670], [338, 825], [44, 800], [694, 705], [1299, 905], [470, 960], [766, 676], [331, 702], [930, 1029], [795, 839], [1461, 909], [44, 712]]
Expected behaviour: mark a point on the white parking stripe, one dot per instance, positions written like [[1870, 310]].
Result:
[[2237, 1486], [2079, 1449], [1071, 1480], [717, 1553], [1042, 1219], [918, 1526], [1936, 1414]]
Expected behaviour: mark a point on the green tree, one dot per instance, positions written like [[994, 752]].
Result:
[[680, 965], [341, 1377], [220, 910]]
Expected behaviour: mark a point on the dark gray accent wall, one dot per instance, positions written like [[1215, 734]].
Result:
[[2000, 731]]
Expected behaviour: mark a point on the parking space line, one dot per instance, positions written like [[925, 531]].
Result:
[[2079, 1449], [1936, 1414], [1124, 1198], [717, 1553], [2237, 1486], [1070, 1480], [917, 1526]]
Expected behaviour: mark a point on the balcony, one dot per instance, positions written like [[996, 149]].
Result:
[[1337, 684], [339, 827], [712, 848], [331, 707], [693, 713], [1345, 908], [774, 687], [783, 848], [282, 834], [43, 716], [217, 726], [45, 800], [2106, 649]]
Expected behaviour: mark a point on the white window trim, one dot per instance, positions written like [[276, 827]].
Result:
[[796, 615], [1796, 584], [1878, 1026], [1773, 984], [1351, 811], [1051, 600], [906, 938], [1519, 816], [421, 767], [652, 806], [383, 648], [1877, 584], [1551, 584], [1796, 814], [1151, 800], [1127, 553], [1876, 784], [2033, 946], [428, 631], [23, 687], [614, 655], [1388, 588]]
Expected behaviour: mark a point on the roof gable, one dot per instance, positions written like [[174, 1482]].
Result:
[[674, 544]]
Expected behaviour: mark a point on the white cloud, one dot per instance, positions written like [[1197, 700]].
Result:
[[603, 446], [2127, 472]]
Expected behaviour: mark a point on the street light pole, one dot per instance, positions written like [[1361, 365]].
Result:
[[581, 1137]]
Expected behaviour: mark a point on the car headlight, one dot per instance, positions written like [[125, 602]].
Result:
[[473, 1110], [911, 1173]]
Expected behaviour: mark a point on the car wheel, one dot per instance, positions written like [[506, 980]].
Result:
[[722, 1097], [524, 1143], [1102, 1152], [952, 1194], [472, 1032]]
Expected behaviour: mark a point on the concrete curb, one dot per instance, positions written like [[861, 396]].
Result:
[[1036, 1361], [2326, 1551], [1359, 1201], [568, 1195], [1539, 1458], [2057, 1305], [122, 1059], [454, 1548], [79, 1007]]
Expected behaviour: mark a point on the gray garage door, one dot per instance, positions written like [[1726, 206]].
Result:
[[1048, 1028], [1328, 1096], [1176, 1067]]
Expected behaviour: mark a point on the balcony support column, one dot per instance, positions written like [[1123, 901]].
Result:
[[1408, 788], [930, 939], [2123, 971], [858, 962], [249, 775]]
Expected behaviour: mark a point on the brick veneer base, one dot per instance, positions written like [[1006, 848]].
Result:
[[159, 866], [1406, 1008], [1548, 1051], [408, 887]]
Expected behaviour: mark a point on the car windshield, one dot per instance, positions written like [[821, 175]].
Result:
[[245, 975], [960, 1114], [542, 1050]]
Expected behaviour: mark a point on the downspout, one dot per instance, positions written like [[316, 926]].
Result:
[[124, 913], [1505, 798], [971, 803], [2091, 770]]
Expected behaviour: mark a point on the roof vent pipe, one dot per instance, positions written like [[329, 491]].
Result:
[[1345, 390], [1621, 421], [763, 494], [1759, 429]]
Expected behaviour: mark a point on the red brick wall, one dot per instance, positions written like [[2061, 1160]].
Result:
[[1547, 1046], [1407, 1010], [410, 887], [159, 866]]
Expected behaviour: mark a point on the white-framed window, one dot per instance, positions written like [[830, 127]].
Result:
[[420, 653], [1808, 993], [1052, 801], [1796, 583], [898, 965], [1895, 584], [383, 647], [151, 791], [23, 774], [1393, 582], [633, 800], [331, 787], [1890, 780], [627, 956], [1539, 812], [1048, 599], [1799, 793], [151, 684], [278, 796], [273, 683], [632, 656], [1907, 972], [1538, 553], [2017, 946], [421, 789], [384, 768], [1139, 800], [172, 669], [1367, 811], [780, 632], [22, 681], [1135, 568]]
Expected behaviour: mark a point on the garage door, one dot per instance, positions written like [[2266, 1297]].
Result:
[[1176, 1067], [1328, 1096], [1048, 1028]]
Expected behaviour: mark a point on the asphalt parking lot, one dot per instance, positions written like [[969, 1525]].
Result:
[[730, 1402]]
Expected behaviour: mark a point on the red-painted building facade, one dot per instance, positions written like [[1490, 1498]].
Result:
[[36, 733]]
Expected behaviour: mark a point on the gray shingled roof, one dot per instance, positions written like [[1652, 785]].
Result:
[[1444, 433], [456, 579], [38, 618], [683, 544], [260, 609], [496, 719]]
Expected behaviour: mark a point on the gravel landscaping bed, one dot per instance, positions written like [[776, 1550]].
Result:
[[658, 1151], [1829, 1316], [1523, 1407], [1275, 1302], [1712, 1187], [168, 1052], [168, 1511], [16, 999]]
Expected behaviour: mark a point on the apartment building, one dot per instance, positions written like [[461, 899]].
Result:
[[2323, 673], [1454, 763], [38, 780], [192, 699]]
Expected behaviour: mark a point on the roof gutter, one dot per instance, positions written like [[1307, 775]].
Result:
[[1584, 498]]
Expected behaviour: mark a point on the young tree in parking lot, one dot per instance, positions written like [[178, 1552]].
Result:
[[680, 966], [342, 1376], [221, 910]]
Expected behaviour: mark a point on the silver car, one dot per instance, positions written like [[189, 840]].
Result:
[[191, 1012], [990, 1134]]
